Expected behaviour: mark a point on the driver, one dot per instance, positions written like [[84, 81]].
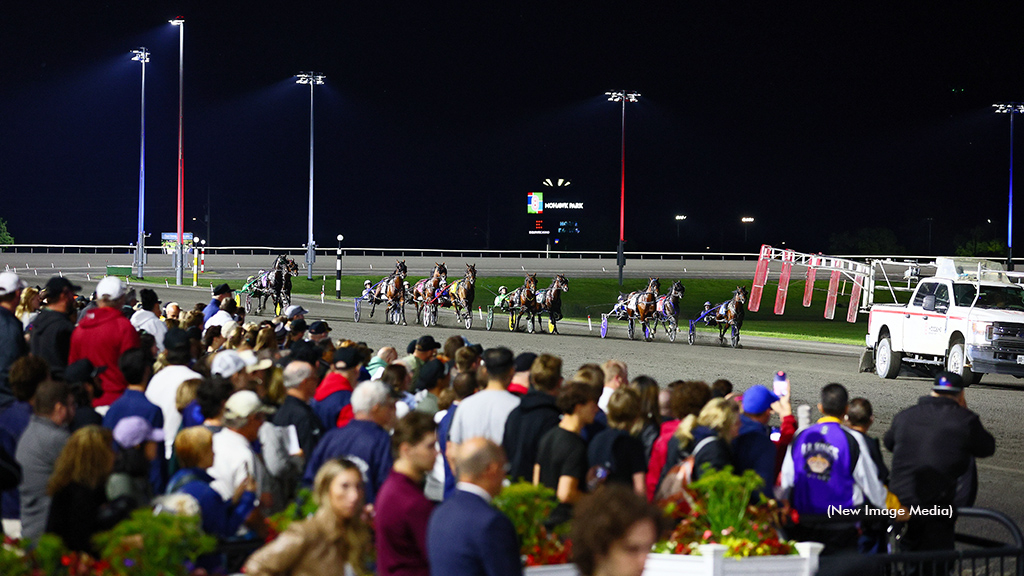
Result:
[[502, 294], [367, 290]]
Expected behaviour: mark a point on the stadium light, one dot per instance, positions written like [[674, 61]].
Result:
[[142, 55], [1011, 108], [179, 265], [622, 96], [313, 79]]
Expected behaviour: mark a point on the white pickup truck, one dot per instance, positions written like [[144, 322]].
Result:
[[968, 319]]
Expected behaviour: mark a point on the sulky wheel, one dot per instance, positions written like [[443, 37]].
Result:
[[604, 325], [248, 303], [673, 327], [691, 336], [355, 309], [490, 317], [468, 319]]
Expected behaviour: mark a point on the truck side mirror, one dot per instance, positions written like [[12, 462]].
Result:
[[929, 303]]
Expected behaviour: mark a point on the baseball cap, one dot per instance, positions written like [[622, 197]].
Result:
[[430, 373], [10, 283], [243, 404], [948, 382], [294, 310], [175, 338], [524, 361], [82, 370], [227, 363], [427, 343], [254, 363], [131, 431], [56, 285], [299, 325], [319, 327], [349, 356], [758, 399], [221, 289], [110, 287]]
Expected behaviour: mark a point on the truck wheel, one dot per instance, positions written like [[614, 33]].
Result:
[[955, 363], [887, 362]]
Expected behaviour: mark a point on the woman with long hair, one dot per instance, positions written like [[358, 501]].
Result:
[[334, 537], [79, 507], [707, 436], [28, 307], [648, 389]]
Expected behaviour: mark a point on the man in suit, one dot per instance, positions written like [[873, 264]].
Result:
[[466, 535]]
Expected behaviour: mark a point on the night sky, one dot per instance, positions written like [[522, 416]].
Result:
[[437, 119]]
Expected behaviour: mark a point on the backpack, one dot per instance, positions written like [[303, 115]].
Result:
[[679, 476], [600, 452]]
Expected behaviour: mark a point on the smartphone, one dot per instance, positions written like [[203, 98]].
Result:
[[781, 384]]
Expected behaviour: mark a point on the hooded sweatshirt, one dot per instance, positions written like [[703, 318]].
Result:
[[535, 415], [332, 401], [51, 339], [102, 336]]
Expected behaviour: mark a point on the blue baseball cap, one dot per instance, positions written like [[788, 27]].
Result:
[[948, 382], [758, 399]]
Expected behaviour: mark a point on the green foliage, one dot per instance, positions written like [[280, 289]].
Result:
[[865, 241], [528, 506], [5, 236], [154, 545], [726, 496], [19, 559], [978, 242], [302, 507]]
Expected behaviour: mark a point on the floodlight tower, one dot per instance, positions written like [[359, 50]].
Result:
[[142, 55], [313, 79], [622, 96], [179, 260], [1011, 108]]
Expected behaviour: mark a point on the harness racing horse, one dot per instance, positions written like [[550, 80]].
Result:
[[424, 294], [549, 300], [461, 294], [274, 284], [730, 316], [667, 309], [392, 290], [521, 301], [639, 306]]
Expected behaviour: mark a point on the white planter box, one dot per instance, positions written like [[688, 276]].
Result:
[[713, 562], [552, 570]]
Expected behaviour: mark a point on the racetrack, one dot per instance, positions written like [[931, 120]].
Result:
[[810, 365]]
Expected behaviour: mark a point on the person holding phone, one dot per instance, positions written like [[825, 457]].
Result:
[[753, 448]]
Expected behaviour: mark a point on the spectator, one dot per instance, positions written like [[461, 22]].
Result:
[[12, 339], [451, 346], [613, 532], [484, 413], [38, 449], [562, 453], [466, 535], [51, 331], [686, 398], [721, 388], [402, 509], [228, 364], [467, 359], [398, 378], [332, 401], [752, 447], [441, 482], [615, 376], [381, 360], [26, 374], [650, 411], [172, 311], [83, 378], [520, 384], [80, 509], [334, 540], [319, 331], [102, 336], [433, 379], [295, 312], [932, 443], [136, 366], [365, 440], [593, 374], [618, 449], [28, 306], [220, 294], [148, 317], [874, 531], [828, 466], [163, 387], [10, 471], [706, 436], [211, 397], [425, 349], [234, 461], [138, 444], [300, 383], [536, 414]]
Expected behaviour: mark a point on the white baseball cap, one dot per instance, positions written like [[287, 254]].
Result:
[[10, 283], [110, 287], [227, 363], [294, 310], [243, 404], [254, 363]]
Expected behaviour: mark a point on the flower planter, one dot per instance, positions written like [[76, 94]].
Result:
[[713, 562], [552, 570]]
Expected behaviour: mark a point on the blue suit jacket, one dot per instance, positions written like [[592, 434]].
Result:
[[469, 537]]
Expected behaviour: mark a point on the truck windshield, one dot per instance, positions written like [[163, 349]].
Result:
[[994, 297]]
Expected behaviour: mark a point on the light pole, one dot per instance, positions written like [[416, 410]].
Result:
[[622, 96], [337, 271], [746, 221], [679, 220], [313, 79], [1011, 108], [179, 265], [142, 55]]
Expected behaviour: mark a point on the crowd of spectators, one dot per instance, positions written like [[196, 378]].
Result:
[[109, 403]]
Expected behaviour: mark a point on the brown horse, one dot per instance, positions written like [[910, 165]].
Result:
[[521, 301], [730, 316], [549, 300], [641, 306], [461, 294], [392, 290], [425, 291]]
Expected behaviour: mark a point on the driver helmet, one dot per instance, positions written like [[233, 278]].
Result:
[[367, 283], [707, 304], [502, 290]]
